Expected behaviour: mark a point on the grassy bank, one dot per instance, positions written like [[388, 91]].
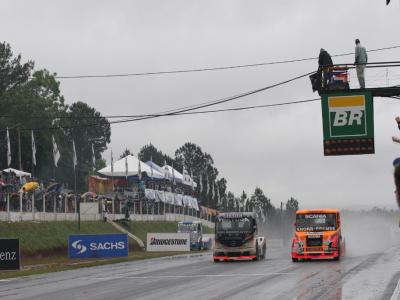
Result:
[[48, 237], [44, 244]]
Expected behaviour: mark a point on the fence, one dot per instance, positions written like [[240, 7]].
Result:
[[16, 207]]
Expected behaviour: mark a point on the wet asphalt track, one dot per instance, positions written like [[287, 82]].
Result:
[[371, 276]]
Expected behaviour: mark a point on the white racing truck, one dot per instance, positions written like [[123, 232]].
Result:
[[238, 237], [195, 229]]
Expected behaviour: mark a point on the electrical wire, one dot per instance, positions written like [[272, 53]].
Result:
[[178, 110], [214, 68]]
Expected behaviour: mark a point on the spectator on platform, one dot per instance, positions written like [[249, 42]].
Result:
[[324, 65], [361, 59]]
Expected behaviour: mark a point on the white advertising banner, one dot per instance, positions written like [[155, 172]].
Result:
[[168, 242]]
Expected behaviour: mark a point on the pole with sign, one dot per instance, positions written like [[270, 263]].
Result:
[[348, 123]]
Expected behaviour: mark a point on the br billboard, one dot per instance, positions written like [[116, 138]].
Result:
[[168, 242], [98, 245], [348, 123]]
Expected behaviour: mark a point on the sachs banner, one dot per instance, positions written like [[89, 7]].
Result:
[[98, 245], [168, 242]]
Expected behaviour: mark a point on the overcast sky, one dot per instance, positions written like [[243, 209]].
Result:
[[278, 149]]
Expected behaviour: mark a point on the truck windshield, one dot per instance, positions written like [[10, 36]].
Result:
[[234, 225], [316, 222], [187, 227]]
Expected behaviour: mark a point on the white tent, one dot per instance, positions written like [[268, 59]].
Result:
[[179, 177], [133, 165], [187, 179], [168, 174], [18, 173]]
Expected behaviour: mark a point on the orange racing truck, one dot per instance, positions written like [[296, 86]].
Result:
[[318, 235], [238, 237]]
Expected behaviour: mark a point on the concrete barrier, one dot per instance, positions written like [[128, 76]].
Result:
[[49, 216]]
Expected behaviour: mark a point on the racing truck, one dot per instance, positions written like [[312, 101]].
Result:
[[238, 237], [195, 229], [318, 235]]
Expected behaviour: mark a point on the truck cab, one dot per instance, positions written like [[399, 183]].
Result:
[[195, 229], [318, 235], [238, 237]]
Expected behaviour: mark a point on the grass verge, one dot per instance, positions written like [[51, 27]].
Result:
[[44, 244]]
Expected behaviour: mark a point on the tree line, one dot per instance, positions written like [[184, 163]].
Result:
[[212, 191], [30, 100]]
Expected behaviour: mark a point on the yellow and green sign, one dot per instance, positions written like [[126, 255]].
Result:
[[348, 123]]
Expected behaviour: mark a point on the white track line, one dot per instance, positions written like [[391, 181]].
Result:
[[396, 293], [194, 276]]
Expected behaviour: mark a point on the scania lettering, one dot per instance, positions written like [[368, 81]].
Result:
[[238, 237], [318, 235]]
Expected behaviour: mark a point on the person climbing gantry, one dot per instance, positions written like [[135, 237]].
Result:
[[361, 59], [324, 65]]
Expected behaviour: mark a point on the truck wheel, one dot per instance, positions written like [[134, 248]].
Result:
[[337, 257], [257, 253], [295, 259]]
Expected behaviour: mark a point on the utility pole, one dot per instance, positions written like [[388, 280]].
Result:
[[19, 148]]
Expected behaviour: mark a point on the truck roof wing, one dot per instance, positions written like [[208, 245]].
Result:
[[234, 215], [318, 210], [189, 222]]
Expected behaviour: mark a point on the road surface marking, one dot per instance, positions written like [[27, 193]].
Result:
[[195, 276], [396, 293]]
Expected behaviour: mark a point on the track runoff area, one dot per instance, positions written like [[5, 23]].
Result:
[[367, 268]]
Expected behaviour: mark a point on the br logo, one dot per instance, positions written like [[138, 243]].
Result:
[[347, 116]]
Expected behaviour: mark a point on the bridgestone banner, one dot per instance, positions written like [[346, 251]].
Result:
[[9, 254], [168, 242]]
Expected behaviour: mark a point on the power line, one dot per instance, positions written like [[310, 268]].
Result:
[[213, 68], [179, 110], [200, 112]]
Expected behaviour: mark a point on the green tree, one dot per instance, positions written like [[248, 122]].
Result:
[[125, 153], [231, 203], [33, 101], [243, 201], [261, 204], [200, 164], [292, 205], [12, 72], [150, 152]]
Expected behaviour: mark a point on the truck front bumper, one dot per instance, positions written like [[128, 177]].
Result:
[[316, 254], [234, 254]]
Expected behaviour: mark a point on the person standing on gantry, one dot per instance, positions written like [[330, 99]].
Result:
[[324, 67], [361, 59]]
